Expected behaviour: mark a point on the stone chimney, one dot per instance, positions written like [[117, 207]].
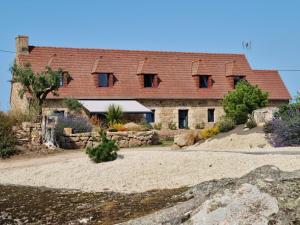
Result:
[[22, 44]]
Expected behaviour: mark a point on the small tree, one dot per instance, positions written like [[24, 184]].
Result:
[[106, 151], [243, 101], [73, 105], [37, 85], [114, 114]]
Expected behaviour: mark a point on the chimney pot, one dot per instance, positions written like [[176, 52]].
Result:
[[22, 44]]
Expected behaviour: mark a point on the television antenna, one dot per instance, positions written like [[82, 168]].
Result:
[[247, 45]]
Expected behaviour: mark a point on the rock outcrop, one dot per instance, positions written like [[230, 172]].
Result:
[[265, 196]]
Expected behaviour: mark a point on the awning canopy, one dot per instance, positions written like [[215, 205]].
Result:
[[101, 106]]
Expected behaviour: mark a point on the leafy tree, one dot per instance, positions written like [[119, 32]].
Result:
[[114, 114], [73, 105], [243, 100], [37, 85]]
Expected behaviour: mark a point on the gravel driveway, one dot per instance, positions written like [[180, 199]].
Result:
[[142, 169]]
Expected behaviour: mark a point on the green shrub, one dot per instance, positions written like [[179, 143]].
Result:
[[157, 126], [243, 101], [106, 151], [226, 124], [114, 114], [7, 152], [286, 110], [172, 126], [73, 105], [200, 125], [251, 122], [7, 140]]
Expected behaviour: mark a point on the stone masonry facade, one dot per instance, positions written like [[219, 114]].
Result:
[[167, 110]]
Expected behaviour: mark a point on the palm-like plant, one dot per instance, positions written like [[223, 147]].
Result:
[[114, 114]]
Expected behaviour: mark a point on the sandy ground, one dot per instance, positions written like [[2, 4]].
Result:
[[235, 139], [142, 169]]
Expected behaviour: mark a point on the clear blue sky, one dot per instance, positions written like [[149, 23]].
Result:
[[200, 26]]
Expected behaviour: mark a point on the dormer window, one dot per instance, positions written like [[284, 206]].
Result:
[[237, 79], [64, 79], [149, 80], [61, 80], [203, 81], [103, 80]]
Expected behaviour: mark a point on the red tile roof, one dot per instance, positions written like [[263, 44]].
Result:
[[199, 68], [233, 68], [270, 81], [174, 69]]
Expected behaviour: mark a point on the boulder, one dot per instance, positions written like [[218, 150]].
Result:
[[264, 196], [185, 139], [264, 115]]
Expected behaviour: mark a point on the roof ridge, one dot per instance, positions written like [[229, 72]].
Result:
[[137, 50]]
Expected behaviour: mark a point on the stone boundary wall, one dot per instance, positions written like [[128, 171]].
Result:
[[124, 139], [28, 134]]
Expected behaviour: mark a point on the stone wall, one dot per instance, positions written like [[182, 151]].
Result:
[[124, 139], [28, 134], [166, 111], [17, 103]]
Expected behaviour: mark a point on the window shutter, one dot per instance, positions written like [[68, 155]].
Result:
[[210, 81], [65, 79], [197, 81], [110, 80], [96, 79], [231, 82], [155, 81], [141, 80]]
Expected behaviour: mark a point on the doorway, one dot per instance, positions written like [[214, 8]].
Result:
[[183, 119]]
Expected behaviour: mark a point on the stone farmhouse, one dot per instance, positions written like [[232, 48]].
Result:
[[184, 88]]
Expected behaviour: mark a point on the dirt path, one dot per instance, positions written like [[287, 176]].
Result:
[[142, 169]]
